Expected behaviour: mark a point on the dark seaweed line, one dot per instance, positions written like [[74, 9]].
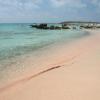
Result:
[[26, 79]]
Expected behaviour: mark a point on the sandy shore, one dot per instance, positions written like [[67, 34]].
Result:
[[68, 72]]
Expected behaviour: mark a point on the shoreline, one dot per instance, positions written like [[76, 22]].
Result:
[[19, 65], [38, 58], [84, 51]]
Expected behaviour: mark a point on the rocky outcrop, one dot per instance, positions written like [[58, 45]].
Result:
[[52, 27]]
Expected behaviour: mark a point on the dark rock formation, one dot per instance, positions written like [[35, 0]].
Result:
[[87, 27], [97, 26], [40, 26], [52, 27], [65, 28], [45, 26]]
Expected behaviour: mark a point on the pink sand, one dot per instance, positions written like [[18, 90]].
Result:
[[77, 76]]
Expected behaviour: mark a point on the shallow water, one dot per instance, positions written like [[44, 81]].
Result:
[[20, 39]]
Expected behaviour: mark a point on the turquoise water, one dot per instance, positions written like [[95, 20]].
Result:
[[20, 39]]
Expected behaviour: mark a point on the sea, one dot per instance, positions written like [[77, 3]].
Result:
[[19, 39]]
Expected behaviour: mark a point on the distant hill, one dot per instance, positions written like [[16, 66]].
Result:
[[67, 22]]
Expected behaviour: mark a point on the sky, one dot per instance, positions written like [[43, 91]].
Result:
[[27, 11]]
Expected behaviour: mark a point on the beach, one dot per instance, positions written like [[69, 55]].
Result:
[[23, 48], [64, 72]]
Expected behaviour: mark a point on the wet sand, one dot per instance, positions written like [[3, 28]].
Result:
[[68, 72]]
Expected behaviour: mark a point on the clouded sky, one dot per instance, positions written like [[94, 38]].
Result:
[[49, 10]]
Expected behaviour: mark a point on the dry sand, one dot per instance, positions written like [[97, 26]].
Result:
[[70, 73]]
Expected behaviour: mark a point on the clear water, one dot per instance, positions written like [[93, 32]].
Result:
[[19, 39]]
